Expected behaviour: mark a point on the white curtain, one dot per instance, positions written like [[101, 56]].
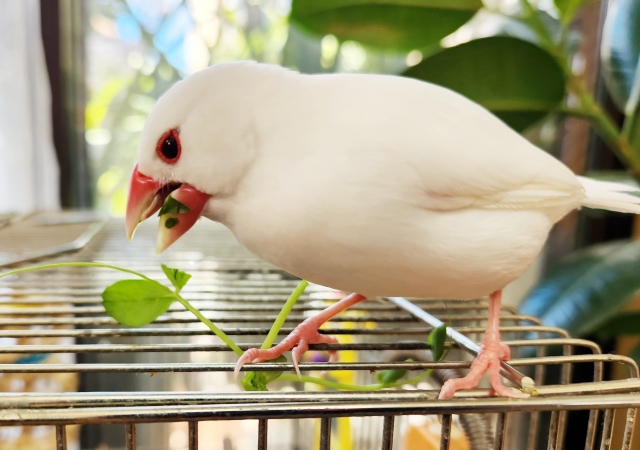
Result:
[[28, 165]]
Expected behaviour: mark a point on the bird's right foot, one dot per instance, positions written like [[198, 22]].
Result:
[[298, 341]]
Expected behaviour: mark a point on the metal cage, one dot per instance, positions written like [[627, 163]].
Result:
[[173, 372]]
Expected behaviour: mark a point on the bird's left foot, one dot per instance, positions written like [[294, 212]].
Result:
[[299, 340], [301, 337], [488, 360]]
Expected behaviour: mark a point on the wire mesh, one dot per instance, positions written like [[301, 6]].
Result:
[[175, 373]]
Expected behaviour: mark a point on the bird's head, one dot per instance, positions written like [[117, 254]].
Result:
[[194, 148]]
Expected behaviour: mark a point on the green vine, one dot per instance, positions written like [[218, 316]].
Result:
[[139, 302]]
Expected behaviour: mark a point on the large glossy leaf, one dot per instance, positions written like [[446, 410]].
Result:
[[581, 293], [387, 24], [516, 80], [621, 49]]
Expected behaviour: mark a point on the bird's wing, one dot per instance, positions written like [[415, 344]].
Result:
[[470, 158]]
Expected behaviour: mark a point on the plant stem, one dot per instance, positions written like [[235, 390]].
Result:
[[589, 109], [217, 331], [284, 313], [353, 387], [75, 264]]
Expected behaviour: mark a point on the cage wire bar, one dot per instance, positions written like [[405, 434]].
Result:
[[59, 312]]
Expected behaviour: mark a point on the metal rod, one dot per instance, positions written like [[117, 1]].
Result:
[[592, 428], [202, 331], [25, 400], [263, 430], [387, 432], [229, 367], [61, 437], [193, 435], [501, 425], [553, 431], [130, 437], [464, 342], [445, 432], [288, 410], [325, 433], [607, 430], [628, 429]]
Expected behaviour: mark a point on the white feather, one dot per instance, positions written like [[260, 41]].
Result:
[[610, 196], [376, 184]]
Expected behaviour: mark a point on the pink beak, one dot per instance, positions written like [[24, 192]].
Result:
[[146, 196]]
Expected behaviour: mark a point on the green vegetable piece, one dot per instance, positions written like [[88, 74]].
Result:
[[177, 277], [390, 376], [436, 340], [173, 206], [135, 303], [257, 381], [171, 222]]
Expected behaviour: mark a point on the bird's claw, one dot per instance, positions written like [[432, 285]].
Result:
[[298, 342], [487, 361]]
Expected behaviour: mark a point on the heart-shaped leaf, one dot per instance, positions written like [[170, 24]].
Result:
[[177, 277], [135, 303], [581, 293], [516, 80], [400, 25], [621, 49]]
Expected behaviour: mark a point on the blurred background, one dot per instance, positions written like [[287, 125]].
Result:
[[78, 78]]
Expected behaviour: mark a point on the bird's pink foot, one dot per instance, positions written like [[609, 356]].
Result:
[[488, 360], [301, 337], [298, 342]]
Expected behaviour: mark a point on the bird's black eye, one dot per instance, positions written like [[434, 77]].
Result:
[[168, 148]]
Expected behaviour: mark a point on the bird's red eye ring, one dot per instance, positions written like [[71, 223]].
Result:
[[169, 148]]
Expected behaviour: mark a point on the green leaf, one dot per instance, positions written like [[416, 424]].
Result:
[[582, 292], [390, 376], [173, 206], [400, 25], [631, 126], [436, 340], [621, 49], [516, 80], [135, 303], [258, 381], [177, 277], [568, 9], [171, 222], [623, 324]]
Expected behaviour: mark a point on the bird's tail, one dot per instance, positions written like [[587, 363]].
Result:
[[610, 196]]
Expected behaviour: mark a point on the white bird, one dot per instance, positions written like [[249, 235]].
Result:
[[373, 184]]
